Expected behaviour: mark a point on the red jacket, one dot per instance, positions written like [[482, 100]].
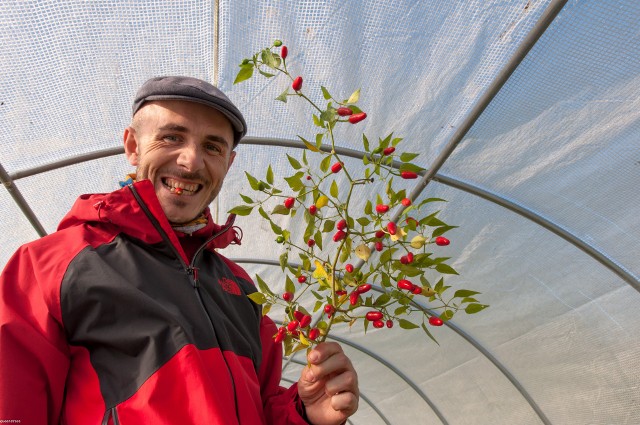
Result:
[[110, 321]]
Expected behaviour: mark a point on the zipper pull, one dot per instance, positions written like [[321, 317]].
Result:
[[193, 271]]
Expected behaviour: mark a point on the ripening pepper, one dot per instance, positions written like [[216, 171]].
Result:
[[356, 118], [344, 112], [297, 84], [382, 208], [339, 235], [442, 241], [408, 175]]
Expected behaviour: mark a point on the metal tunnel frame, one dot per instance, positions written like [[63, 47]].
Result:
[[8, 180]]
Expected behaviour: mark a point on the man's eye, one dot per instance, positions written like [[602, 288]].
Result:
[[213, 147], [171, 138]]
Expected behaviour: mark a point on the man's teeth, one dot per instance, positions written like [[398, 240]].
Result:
[[180, 187]]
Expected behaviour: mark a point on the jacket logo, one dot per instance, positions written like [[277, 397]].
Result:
[[230, 286]]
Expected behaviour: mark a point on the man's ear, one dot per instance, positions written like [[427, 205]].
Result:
[[231, 158], [131, 146]]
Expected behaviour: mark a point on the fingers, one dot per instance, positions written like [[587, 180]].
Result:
[[328, 362]]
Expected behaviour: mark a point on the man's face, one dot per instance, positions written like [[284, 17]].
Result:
[[185, 149]]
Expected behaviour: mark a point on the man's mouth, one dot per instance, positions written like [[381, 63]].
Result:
[[180, 188]]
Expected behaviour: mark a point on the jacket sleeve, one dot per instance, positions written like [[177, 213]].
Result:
[[33, 350], [281, 406]]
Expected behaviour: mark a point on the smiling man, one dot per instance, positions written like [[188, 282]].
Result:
[[129, 315]]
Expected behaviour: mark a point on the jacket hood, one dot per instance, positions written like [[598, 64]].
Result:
[[130, 214]]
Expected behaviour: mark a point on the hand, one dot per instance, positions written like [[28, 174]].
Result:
[[328, 385]]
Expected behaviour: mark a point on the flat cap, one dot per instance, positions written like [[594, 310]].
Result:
[[192, 90]]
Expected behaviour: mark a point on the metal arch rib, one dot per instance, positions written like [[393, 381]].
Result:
[[362, 396], [626, 275]]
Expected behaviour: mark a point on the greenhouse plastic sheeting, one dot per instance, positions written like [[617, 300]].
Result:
[[542, 183]]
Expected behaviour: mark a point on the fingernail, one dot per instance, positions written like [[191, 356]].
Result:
[[313, 357]]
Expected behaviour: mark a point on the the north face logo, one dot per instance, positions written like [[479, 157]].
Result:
[[230, 286]]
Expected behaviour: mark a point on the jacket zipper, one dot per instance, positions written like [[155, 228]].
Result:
[[192, 273]]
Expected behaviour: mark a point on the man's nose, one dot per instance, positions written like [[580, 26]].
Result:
[[191, 158]]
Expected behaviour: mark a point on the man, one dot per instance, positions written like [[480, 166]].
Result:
[[128, 315]]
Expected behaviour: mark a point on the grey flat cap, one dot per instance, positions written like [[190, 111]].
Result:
[[193, 90]]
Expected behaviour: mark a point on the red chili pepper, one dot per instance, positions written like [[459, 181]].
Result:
[[382, 208], [392, 228], [335, 168], [354, 298], [314, 333], [406, 202], [416, 290], [363, 288], [408, 175], [380, 234], [341, 225], [349, 268], [378, 324], [289, 202], [379, 246], [435, 321], [339, 235], [279, 337], [305, 321], [356, 118], [297, 84], [292, 325], [287, 296], [389, 150], [298, 315], [344, 112], [329, 309], [284, 52], [341, 292], [311, 242], [313, 210], [373, 315], [389, 323], [302, 279], [404, 260], [405, 284], [410, 258], [442, 241]]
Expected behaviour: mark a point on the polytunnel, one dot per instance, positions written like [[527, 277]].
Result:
[[526, 116]]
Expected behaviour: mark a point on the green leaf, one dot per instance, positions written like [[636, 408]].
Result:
[[447, 315], [365, 143], [318, 238], [283, 96], [408, 156], [289, 286], [410, 167], [266, 74], [328, 115], [246, 72], [400, 310], [294, 162], [269, 59], [280, 209], [275, 228], [395, 141], [266, 308], [405, 324], [264, 288], [309, 145], [461, 293], [295, 181], [355, 96], [325, 93], [382, 300], [442, 230], [445, 269], [246, 199], [334, 189], [328, 226], [474, 308], [363, 221], [263, 213], [269, 175], [317, 121], [241, 210], [257, 297], [284, 259], [368, 208], [324, 164], [424, 328], [253, 182]]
